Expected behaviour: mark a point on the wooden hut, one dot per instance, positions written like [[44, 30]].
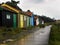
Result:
[[9, 18], [41, 21], [13, 16], [22, 20], [31, 18], [10, 14], [27, 19], [36, 20]]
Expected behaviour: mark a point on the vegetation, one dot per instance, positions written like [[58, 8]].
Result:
[[55, 34], [6, 33], [30, 28], [47, 19], [41, 25], [9, 33], [13, 33]]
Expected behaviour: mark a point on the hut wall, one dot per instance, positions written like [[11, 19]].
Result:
[[18, 21], [31, 21], [37, 21], [34, 22], [3, 18], [28, 21], [14, 20], [25, 21], [40, 21], [7, 19], [1, 10], [0, 17], [21, 21]]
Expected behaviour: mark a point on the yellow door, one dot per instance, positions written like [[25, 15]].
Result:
[[21, 21]]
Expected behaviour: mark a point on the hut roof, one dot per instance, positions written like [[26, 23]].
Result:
[[24, 13], [7, 9], [14, 5], [5, 6], [29, 13], [35, 16]]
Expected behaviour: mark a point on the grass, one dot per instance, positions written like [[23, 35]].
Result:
[[6, 33], [41, 25], [13, 33], [55, 34]]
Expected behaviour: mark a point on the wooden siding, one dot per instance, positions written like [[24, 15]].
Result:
[[8, 22], [18, 20], [40, 20], [25, 21], [0, 17], [21, 21], [37, 21], [28, 21], [31, 21], [14, 21]]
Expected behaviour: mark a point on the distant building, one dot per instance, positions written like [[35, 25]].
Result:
[[36, 20], [41, 21]]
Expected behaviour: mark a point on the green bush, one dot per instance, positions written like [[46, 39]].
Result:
[[55, 34], [29, 28], [41, 25], [8, 32]]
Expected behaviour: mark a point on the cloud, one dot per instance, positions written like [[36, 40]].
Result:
[[37, 1], [4, 1], [49, 8]]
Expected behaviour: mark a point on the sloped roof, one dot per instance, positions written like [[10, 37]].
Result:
[[12, 4], [35, 16], [10, 8], [29, 13], [24, 13], [7, 9]]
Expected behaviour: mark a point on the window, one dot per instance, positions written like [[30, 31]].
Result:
[[8, 16]]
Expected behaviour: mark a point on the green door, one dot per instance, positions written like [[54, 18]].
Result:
[[14, 20]]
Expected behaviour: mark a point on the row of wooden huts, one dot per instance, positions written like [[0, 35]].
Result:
[[12, 16]]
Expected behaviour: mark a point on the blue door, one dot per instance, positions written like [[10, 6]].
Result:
[[32, 21]]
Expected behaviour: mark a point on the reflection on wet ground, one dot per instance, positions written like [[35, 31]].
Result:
[[40, 37]]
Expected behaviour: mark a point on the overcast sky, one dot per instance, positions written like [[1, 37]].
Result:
[[50, 8]]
